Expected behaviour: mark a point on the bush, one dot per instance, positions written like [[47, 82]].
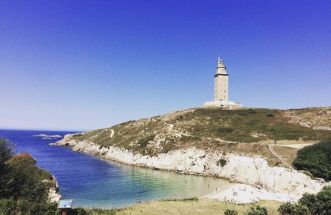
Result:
[[6, 151], [42, 209], [221, 162], [257, 210], [323, 202], [23, 207], [293, 209], [316, 159], [310, 201], [26, 179], [230, 212], [319, 204], [79, 211], [7, 206]]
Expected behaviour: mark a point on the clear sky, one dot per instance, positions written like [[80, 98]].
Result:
[[69, 64]]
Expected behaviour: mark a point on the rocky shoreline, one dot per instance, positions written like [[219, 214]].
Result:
[[53, 195], [255, 179]]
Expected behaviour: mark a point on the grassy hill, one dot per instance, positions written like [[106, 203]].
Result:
[[244, 131]]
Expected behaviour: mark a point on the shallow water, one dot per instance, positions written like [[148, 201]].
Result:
[[93, 182]]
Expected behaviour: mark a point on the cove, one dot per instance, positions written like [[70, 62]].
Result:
[[93, 182]]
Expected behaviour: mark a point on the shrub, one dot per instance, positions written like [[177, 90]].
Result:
[[79, 211], [6, 151], [323, 203], [7, 206], [42, 208], [257, 210], [319, 204], [310, 201], [143, 142], [293, 209], [221, 162], [222, 130], [316, 159], [23, 207], [26, 179], [230, 212]]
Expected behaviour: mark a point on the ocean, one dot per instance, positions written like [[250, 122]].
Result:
[[93, 182]]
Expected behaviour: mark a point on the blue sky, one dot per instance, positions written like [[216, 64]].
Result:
[[70, 64]]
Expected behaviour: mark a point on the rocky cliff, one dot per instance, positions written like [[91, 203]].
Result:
[[211, 142]]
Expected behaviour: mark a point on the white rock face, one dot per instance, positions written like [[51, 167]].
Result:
[[53, 194], [261, 181]]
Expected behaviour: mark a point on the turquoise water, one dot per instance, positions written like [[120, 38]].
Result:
[[93, 182]]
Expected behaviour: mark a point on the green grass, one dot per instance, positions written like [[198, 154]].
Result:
[[238, 125], [201, 125]]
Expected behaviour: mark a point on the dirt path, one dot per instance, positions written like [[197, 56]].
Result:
[[279, 157]]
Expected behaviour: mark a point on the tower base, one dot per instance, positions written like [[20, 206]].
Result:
[[223, 104]]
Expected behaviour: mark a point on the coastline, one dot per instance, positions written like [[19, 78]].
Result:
[[254, 178], [53, 195]]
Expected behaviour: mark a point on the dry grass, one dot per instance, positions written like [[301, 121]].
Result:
[[287, 153], [311, 116], [203, 206]]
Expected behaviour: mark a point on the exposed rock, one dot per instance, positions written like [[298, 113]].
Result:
[[234, 145], [326, 128], [54, 195]]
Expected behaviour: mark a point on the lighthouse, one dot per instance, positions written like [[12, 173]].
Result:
[[221, 82], [221, 89]]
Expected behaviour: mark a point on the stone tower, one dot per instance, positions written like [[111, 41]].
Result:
[[221, 89], [221, 82]]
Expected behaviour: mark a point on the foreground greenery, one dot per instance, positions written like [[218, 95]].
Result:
[[23, 186], [316, 159], [309, 204]]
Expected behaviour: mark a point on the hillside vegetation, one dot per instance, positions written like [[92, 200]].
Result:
[[316, 159], [243, 131]]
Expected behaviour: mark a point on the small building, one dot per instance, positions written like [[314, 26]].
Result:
[[221, 89], [65, 206]]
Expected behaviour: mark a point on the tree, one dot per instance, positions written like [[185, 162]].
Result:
[[27, 181], [6, 152], [23, 186]]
